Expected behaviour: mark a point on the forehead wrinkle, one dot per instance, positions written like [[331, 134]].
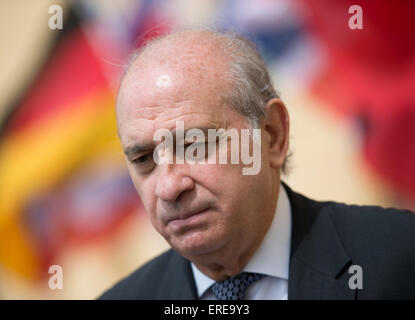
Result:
[[148, 113], [159, 112], [170, 124], [165, 115]]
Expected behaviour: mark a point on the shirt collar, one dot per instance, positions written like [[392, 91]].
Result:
[[272, 258]]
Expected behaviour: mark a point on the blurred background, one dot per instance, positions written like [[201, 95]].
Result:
[[65, 195]]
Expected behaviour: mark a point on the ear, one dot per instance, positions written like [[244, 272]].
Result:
[[277, 127]]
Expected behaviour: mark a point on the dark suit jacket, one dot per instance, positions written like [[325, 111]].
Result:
[[327, 238]]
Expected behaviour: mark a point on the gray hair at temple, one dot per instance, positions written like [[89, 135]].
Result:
[[250, 80]]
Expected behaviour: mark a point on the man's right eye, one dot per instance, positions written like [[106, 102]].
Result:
[[142, 159], [144, 163]]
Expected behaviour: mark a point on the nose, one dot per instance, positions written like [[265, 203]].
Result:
[[172, 182]]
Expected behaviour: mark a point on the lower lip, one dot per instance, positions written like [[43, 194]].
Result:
[[189, 221]]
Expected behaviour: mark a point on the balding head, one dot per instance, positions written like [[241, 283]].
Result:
[[249, 86], [175, 48]]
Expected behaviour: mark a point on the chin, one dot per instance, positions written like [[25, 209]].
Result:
[[196, 244]]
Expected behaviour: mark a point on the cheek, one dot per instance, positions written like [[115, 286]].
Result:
[[145, 190], [212, 177], [135, 180], [225, 182]]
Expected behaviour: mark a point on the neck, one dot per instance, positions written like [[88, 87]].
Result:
[[231, 258], [227, 262]]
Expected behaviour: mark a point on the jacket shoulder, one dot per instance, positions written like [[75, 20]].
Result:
[[371, 220], [382, 239], [143, 283]]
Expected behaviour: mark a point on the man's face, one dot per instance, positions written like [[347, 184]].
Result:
[[198, 208]]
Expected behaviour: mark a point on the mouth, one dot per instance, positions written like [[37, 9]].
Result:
[[187, 218]]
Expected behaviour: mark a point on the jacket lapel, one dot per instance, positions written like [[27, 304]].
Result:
[[318, 261], [178, 281]]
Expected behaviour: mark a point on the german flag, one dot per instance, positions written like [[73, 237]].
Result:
[[61, 167]]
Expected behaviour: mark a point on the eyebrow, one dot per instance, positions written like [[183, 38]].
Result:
[[143, 147], [138, 148]]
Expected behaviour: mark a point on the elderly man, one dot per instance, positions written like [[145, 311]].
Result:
[[237, 235]]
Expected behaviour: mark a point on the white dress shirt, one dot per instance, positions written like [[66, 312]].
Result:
[[272, 258]]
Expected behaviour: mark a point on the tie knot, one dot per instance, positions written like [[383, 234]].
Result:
[[234, 288]]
